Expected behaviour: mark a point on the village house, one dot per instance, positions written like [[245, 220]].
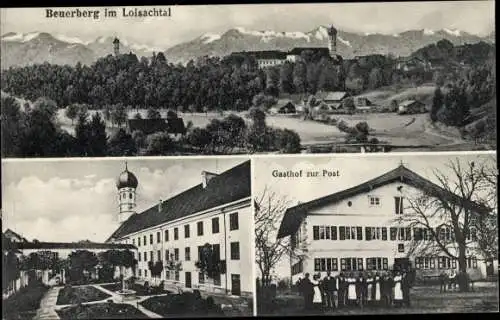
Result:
[[362, 104], [360, 229], [173, 126], [215, 211], [283, 107], [412, 63], [334, 99], [411, 107]]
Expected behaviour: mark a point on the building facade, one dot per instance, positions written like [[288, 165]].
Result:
[[216, 211], [359, 229]]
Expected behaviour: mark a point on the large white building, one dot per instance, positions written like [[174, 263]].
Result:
[[216, 211], [358, 229]]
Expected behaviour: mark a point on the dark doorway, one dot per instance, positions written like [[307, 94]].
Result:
[[402, 264], [188, 279], [489, 267], [235, 285]]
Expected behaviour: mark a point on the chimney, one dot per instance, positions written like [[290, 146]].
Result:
[[206, 177], [159, 206]]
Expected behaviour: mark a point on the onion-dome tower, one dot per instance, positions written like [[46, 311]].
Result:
[[126, 185]]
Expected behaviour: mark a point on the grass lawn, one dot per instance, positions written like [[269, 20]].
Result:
[[181, 305], [139, 289], [101, 311], [24, 303], [424, 299], [75, 295]]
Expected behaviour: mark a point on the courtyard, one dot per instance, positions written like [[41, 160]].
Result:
[[424, 299], [96, 301]]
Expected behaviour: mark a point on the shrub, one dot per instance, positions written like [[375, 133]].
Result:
[[26, 299], [287, 141]]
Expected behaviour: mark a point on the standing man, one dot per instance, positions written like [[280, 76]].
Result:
[[406, 284], [329, 287], [342, 289], [308, 292]]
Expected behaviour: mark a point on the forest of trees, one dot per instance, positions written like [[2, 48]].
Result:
[[34, 132]]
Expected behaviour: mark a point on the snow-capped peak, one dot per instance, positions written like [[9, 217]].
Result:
[[453, 32], [267, 34], [347, 43], [210, 37], [68, 39], [428, 32], [20, 37]]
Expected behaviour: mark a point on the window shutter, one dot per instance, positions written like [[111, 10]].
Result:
[[316, 232]]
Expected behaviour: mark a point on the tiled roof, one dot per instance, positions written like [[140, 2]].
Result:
[[321, 50], [294, 216], [229, 186], [71, 245], [9, 233]]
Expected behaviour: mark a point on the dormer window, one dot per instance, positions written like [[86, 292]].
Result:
[[374, 201]]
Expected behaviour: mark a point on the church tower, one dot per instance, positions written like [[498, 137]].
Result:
[[116, 46], [126, 185], [332, 41]]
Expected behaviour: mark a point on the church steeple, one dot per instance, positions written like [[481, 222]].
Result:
[[126, 184]]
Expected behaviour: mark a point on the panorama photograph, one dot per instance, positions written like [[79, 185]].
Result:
[[246, 79]]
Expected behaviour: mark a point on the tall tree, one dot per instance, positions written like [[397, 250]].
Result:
[[448, 213]]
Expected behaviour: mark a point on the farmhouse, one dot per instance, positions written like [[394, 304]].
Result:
[[362, 103], [174, 126], [359, 228], [334, 99], [216, 211], [411, 107], [13, 236], [283, 107], [412, 63]]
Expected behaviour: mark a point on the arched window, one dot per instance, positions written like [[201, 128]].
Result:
[[130, 195]]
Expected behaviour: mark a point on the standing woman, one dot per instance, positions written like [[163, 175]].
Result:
[[398, 289], [369, 288], [377, 289], [351, 289], [317, 298]]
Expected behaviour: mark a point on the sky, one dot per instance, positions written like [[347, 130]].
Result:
[[76, 199], [189, 22], [352, 169]]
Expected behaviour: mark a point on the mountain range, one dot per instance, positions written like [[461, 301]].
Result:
[[38, 47]]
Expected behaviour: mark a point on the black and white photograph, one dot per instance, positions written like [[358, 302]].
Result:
[[246, 79], [140, 238], [390, 234]]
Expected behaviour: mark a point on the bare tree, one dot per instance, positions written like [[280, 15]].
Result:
[[269, 210], [446, 214]]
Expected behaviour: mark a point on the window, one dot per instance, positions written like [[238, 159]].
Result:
[[167, 255], [376, 263], [325, 264], [133, 241], [217, 279], [216, 249], [159, 255], [341, 233], [235, 251], [334, 232], [401, 247], [201, 278], [425, 263], [408, 234], [145, 256], [394, 232], [384, 233], [176, 233], [418, 234], [398, 203], [145, 273], [167, 274], [215, 225], [374, 201], [373, 233], [145, 242], [351, 264], [401, 234], [151, 239], [166, 235], [199, 226], [158, 237], [177, 275], [151, 256], [187, 253], [138, 241], [130, 196], [359, 233], [186, 231], [140, 273], [444, 263], [139, 256], [233, 221], [471, 262], [199, 252]]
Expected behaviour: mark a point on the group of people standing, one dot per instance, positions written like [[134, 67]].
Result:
[[364, 289]]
